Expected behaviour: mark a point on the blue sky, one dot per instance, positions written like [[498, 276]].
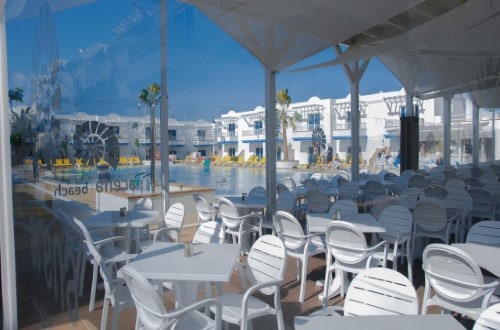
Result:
[[209, 76]]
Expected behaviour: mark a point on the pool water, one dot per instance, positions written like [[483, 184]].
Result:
[[225, 180]]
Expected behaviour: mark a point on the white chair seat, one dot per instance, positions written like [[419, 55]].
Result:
[[231, 307], [194, 320]]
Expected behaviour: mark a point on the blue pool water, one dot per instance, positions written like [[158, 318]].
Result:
[[225, 180]]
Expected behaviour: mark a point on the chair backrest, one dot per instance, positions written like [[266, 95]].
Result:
[[281, 187], [144, 203], [398, 222], [258, 191], [174, 218], [346, 207], [286, 201], [485, 232], [373, 189], [380, 203], [204, 209], [418, 181], [380, 291], [489, 319], [266, 261], [452, 273], [209, 232], [290, 183], [349, 190], [455, 184], [317, 200], [458, 199], [106, 269], [228, 213], [150, 307], [435, 190], [400, 183], [482, 200], [289, 230], [429, 215], [338, 181], [473, 182], [83, 230], [346, 243]]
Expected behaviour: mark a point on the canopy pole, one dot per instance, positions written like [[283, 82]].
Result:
[[475, 134], [493, 137], [354, 72], [270, 100], [165, 159], [7, 247], [447, 130]]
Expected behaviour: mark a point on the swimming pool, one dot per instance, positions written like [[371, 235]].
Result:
[[225, 180]]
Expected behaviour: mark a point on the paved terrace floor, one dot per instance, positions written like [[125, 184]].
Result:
[[39, 307]]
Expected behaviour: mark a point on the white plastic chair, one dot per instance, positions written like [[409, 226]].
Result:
[[151, 311], [174, 220], [456, 280], [258, 191], [298, 244], [455, 184], [350, 190], [204, 209], [115, 290], [398, 222], [458, 201], [144, 203], [373, 189], [317, 201], [290, 183], [377, 291], [380, 203], [236, 225], [486, 232], [209, 232], [346, 207], [431, 221], [436, 191], [489, 319], [264, 271], [110, 253], [483, 204], [348, 252], [418, 181]]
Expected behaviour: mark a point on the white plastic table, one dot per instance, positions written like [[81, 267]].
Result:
[[317, 222], [486, 256], [133, 220], [250, 202], [162, 262], [379, 322]]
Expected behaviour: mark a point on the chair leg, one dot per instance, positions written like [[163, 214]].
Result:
[[105, 309], [93, 287], [303, 281]]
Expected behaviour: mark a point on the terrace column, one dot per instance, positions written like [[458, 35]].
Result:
[[447, 130], [354, 71], [409, 140], [7, 248], [165, 163], [270, 99], [493, 137]]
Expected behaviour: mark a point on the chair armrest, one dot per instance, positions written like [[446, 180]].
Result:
[[251, 290], [161, 230], [113, 239], [202, 303]]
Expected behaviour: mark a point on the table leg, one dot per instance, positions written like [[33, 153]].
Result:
[[335, 287]]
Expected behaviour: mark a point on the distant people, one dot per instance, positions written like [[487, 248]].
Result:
[[329, 155], [336, 161], [439, 161], [397, 160]]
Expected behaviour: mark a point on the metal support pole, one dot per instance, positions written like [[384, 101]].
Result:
[[447, 130], [270, 99]]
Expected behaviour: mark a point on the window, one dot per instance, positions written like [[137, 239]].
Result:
[[314, 121], [259, 152], [232, 152], [232, 129], [172, 134], [201, 134], [148, 132]]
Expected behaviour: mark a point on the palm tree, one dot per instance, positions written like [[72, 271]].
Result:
[[20, 127], [149, 97], [286, 120], [16, 95]]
